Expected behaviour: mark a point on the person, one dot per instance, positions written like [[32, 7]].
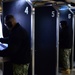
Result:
[[64, 47], [18, 51]]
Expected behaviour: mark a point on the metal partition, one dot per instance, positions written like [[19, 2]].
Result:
[[67, 15], [45, 40]]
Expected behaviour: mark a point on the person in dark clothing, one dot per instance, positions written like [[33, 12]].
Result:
[[18, 51], [64, 46]]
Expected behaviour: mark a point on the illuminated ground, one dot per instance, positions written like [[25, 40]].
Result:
[[72, 73]]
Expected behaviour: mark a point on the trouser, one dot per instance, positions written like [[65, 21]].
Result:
[[64, 58], [16, 69], [20, 69]]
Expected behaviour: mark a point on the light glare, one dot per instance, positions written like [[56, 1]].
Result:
[[1, 34], [63, 8]]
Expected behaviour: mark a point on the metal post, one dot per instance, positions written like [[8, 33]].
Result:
[[33, 39], [57, 38], [73, 41]]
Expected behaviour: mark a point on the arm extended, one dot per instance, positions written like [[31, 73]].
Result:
[[4, 40]]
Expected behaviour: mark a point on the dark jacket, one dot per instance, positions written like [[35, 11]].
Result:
[[18, 49], [64, 39]]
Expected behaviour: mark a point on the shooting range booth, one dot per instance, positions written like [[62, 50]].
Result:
[[45, 23], [21, 10], [67, 15]]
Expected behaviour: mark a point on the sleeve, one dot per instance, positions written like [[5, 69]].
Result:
[[13, 47], [4, 40]]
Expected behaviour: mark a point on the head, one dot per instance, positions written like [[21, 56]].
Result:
[[9, 21], [63, 24]]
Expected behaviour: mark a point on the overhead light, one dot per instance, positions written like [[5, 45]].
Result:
[[64, 8]]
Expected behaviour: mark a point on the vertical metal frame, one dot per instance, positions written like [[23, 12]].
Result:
[[73, 18], [33, 39], [73, 23], [57, 43], [57, 39]]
